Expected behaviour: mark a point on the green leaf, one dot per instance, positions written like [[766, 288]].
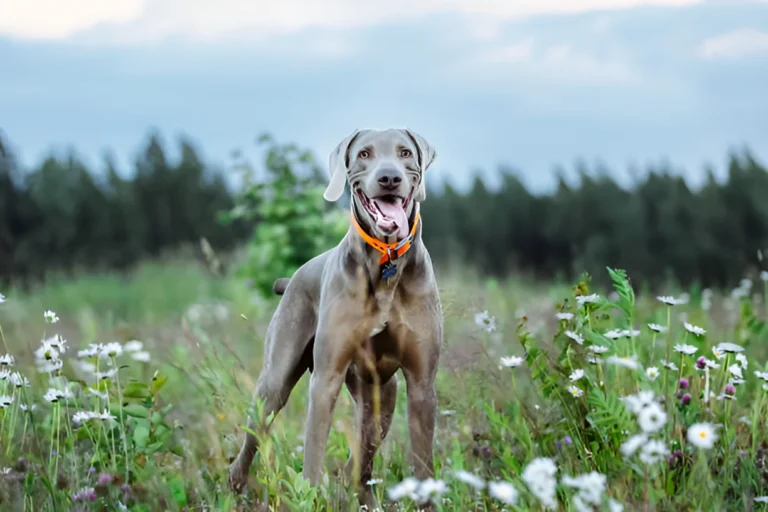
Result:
[[141, 437], [178, 490], [135, 410], [158, 383], [136, 390]]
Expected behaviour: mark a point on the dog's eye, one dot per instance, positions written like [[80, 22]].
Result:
[[364, 154], [405, 153]]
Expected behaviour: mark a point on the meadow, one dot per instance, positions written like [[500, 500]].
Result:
[[130, 392]]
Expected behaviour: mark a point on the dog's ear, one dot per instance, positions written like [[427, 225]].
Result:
[[426, 155], [337, 167]]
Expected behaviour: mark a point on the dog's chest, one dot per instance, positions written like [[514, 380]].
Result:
[[383, 307]]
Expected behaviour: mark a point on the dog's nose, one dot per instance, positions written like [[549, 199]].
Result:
[[389, 177]]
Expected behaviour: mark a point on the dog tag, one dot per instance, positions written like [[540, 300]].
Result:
[[388, 270]]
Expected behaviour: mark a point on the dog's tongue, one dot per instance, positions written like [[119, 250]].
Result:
[[393, 217]]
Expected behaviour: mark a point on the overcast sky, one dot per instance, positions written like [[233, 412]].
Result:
[[527, 83]]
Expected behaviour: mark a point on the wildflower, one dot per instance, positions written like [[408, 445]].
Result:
[[591, 486], [575, 391], [671, 301], [2, 298], [639, 401], [576, 375], [92, 350], [470, 479], [505, 492], [762, 499], [615, 506], [6, 360], [133, 346], [17, 380], [688, 350], [729, 390], [669, 365], [653, 452], [50, 366], [631, 445], [142, 356], [405, 489], [5, 471], [106, 375], [564, 316], [53, 395], [652, 372], [651, 418], [575, 337], [107, 416], [685, 399], [719, 354], [630, 333], [613, 335], [627, 362], [105, 479], [702, 435], [742, 360], [485, 321], [598, 349], [111, 350], [5, 401], [593, 360], [657, 328], [97, 393], [683, 384], [587, 299], [4, 374], [30, 408], [57, 342], [694, 329], [729, 348], [47, 351], [762, 375], [511, 361], [374, 481], [84, 416], [735, 370], [764, 275], [85, 494], [50, 317], [539, 476]]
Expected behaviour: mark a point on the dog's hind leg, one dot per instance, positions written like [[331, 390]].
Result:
[[288, 354]]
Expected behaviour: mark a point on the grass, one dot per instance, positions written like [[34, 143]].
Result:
[[161, 423]]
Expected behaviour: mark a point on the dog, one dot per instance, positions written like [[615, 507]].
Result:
[[359, 312]]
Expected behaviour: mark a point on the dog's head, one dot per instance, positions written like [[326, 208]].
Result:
[[385, 171]]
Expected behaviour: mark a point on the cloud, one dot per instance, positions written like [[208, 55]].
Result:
[[138, 20], [57, 19], [746, 42]]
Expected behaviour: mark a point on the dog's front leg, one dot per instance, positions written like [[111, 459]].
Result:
[[422, 411], [331, 359]]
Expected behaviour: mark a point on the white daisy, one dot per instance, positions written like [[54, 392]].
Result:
[[93, 350], [762, 499], [588, 299], [670, 301], [576, 375], [24, 407], [615, 506], [653, 452], [539, 476], [2, 298], [46, 351], [742, 360], [6, 360], [564, 316], [631, 445], [657, 328], [702, 435], [627, 362], [639, 401], [50, 317], [593, 360], [591, 486], [374, 481], [133, 346], [485, 321], [141, 356], [106, 416], [505, 492], [575, 337], [405, 489], [96, 392], [17, 380], [764, 275], [688, 350], [50, 366], [575, 391], [469, 479], [652, 372], [4, 374], [431, 488], [511, 361], [5, 401], [729, 348], [613, 335], [598, 349], [110, 350], [761, 375], [694, 329], [669, 365], [651, 418], [735, 370]]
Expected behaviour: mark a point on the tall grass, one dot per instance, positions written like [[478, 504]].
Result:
[[132, 394]]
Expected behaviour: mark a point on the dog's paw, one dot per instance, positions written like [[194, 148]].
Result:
[[237, 479]]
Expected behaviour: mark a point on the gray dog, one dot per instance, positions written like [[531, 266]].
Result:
[[360, 312]]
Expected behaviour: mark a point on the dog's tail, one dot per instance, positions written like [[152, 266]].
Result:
[[281, 283]]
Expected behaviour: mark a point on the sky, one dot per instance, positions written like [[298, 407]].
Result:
[[529, 85]]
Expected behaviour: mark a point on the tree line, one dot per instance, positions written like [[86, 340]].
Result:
[[61, 216]]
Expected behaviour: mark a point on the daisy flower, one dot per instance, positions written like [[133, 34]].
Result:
[[652, 372], [133, 346], [593, 359], [5, 401], [670, 301], [47, 351], [653, 452], [613, 335], [110, 350], [735, 370], [669, 365], [575, 391], [761, 375], [50, 317], [539, 476], [93, 350], [764, 276], [576, 375], [688, 350], [729, 348], [431, 488], [657, 328], [575, 337], [627, 362], [598, 349], [702, 435], [511, 361], [141, 356], [405, 489], [6, 360], [588, 299], [694, 329], [564, 316], [639, 401], [651, 418], [591, 486], [505, 492], [632, 444], [742, 360], [485, 321]]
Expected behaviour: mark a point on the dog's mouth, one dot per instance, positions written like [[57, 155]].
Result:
[[388, 212]]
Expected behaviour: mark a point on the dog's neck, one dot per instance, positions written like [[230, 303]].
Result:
[[364, 253]]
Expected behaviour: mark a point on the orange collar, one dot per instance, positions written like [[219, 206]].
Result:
[[393, 251]]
